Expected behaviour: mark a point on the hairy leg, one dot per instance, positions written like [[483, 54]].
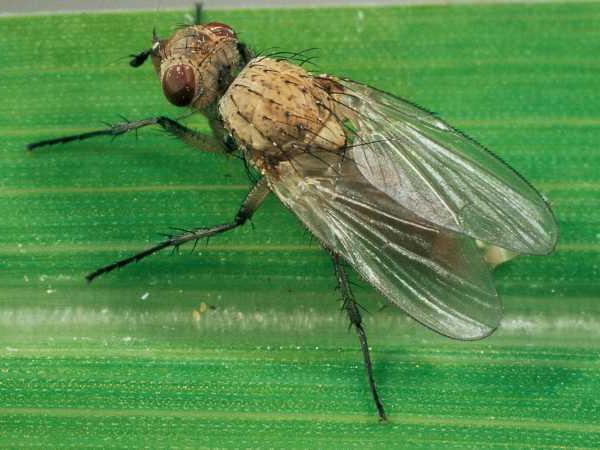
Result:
[[202, 141], [351, 308], [251, 203]]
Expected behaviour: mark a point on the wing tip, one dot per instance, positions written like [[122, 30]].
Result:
[[472, 333], [553, 242], [470, 330], [552, 232], [547, 244], [485, 332]]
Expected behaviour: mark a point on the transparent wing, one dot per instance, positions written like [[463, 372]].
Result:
[[441, 175], [437, 276]]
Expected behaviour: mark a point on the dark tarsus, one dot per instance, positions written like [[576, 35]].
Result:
[[352, 309], [253, 200], [204, 141], [113, 130]]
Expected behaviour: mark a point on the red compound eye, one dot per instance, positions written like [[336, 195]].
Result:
[[179, 84], [220, 29]]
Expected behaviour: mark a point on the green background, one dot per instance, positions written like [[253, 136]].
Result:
[[273, 364]]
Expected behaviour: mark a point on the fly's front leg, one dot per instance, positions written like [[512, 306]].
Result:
[[251, 203], [194, 138], [351, 308]]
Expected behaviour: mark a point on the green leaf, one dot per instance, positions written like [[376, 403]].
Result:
[[135, 359]]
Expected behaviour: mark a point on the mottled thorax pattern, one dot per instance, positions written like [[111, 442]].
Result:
[[276, 110]]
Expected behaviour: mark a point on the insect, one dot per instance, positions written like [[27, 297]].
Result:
[[407, 201]]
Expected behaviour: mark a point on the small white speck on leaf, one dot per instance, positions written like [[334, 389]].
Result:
[[360, 17]]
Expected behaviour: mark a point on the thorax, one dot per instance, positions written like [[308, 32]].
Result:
[[276, 110]]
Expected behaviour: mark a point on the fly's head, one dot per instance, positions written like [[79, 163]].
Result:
[[196, 65]]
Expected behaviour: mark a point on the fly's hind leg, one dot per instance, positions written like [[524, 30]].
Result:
[[351, 307], [251, 203], [202, 141]]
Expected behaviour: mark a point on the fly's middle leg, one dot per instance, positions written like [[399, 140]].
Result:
[[251, 203], [202, 141], [353, 312]]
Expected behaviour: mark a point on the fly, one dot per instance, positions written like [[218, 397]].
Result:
[[412, 204]]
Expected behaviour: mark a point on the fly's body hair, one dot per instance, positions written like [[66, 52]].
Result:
[[299, 57]]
